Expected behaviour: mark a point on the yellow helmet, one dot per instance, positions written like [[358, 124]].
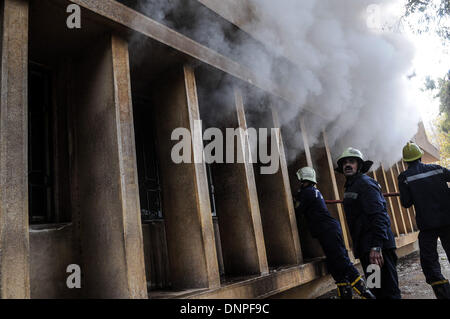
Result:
[[307, 174], [411, 152]]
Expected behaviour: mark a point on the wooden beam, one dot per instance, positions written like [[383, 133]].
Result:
[[411, 210], [395, 218], [403, 227], [335, 190], [382, 181], [409, 225], [14, 238]]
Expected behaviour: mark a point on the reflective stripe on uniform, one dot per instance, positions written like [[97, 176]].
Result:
[[424, 175], [441, 282], [351, 195]]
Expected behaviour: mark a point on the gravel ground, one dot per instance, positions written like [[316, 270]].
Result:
[[410, 276]]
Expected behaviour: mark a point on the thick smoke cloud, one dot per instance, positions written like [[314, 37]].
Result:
[[353, 75]]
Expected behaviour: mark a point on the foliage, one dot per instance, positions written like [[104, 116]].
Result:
[[442, 122], [431, 15], [443, 87], [443, 139]]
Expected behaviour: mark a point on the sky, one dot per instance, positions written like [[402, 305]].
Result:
[[431, 59]]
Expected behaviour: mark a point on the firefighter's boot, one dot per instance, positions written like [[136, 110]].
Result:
[[344, 290], [441, 289], [359, 286]]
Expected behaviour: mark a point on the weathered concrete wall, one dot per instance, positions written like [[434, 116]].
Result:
[[14, 240], [156, 254], [51, 251]]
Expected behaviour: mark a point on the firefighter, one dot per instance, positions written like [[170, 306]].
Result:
[[425, 186], [369, 223], [310, 203]]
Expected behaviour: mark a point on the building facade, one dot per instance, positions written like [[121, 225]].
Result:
[[86, 175]]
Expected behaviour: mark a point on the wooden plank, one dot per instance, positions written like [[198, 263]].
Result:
[[335, 190], [382, 182], [406, 215], [394, 216], [403, 227], [411, 210]]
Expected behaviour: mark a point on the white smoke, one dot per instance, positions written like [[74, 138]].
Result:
[[353, 75]]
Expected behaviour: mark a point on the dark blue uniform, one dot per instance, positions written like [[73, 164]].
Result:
[[425, 186], [370, 226], [327, 230]]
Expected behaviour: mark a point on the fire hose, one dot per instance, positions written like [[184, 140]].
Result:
[[341, 201]]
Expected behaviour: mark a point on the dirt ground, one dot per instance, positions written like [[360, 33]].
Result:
[[411, 279]]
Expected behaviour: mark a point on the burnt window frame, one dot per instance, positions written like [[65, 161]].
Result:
[[143, 112], [57, 146], [41, 177]]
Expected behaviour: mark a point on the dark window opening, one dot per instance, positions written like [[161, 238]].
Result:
[[147, 163], [40, 151]]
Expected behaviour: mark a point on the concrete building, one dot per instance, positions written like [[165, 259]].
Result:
[[86, 177]]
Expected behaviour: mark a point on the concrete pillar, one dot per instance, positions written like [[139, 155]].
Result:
[[238, 210], [107, 200], [14, 238], [277, 209], [185, 195]]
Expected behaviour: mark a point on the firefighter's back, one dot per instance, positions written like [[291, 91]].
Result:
[[428, 188]]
